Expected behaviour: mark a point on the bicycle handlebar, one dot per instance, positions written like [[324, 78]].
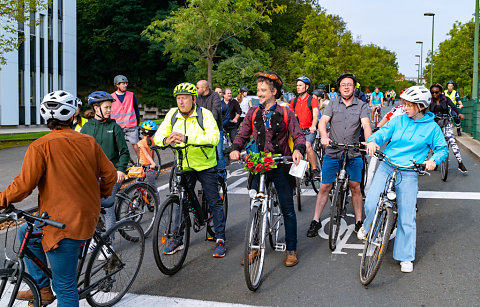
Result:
[[154, 147], [16, 214], [280, 159], [357, 146], [417, 167]]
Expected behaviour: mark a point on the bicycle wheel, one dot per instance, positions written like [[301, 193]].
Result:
[[376, 245], [8, 281], [316, 183], [335, 216], [165, 231], [254, 253], [298, 192], [223, 195], [114, 265], [158, 162], [139, 203], [444, 168], [275, 220]]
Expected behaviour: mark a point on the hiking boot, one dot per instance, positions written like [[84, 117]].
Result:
[[219, 249], [406, 266], [45, 293], [462, 168], [316, 175], [291, 258], [358, 225], [459, 131], [251, 257], [313, 229], [174, 245]]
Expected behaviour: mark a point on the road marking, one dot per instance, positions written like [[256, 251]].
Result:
[[237, 183]]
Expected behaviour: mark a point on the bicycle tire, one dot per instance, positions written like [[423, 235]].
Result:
[[275, 215], [6, 288], [158, 162], [298, 192], [224, 197], [335, 216], [140, 205], [444, 168], [372, 255], [113, 277], [316, 183], [162, 234], [254, 235]]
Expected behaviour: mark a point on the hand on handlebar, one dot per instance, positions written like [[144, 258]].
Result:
[[372, 148], [120, 176], [325, 141], [235, 155], [175, 138], [430, 165]]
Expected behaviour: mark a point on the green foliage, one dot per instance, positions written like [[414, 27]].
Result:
[[454, 58], [13, 13]]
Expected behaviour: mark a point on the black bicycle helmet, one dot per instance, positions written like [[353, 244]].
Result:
[[318, 93], [321, 86], [346, 75], [243, 89]]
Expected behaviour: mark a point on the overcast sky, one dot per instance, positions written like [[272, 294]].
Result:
[[397, 25]]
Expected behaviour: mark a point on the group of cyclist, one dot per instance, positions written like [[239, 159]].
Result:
[[71, 192]]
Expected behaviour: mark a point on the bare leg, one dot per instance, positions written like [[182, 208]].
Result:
[[311, 156], [322, 198], [356, 199], [137, 150]]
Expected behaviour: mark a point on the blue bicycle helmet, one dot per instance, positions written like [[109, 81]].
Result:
[[99, 96], [450, 82], [305, 80], [149, 127]]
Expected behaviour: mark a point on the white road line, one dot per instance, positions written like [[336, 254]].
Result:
[[162, 187], [237, 183]]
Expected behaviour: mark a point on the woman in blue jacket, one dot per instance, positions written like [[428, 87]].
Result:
[[411, 136]]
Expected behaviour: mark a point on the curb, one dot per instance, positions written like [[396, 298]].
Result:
[[469, 144]]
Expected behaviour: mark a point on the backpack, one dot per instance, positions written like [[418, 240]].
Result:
[[199, 117], [285, 119], [309, 102]]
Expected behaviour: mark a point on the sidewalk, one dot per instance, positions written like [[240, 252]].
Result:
[[23, 129], [468, 143]]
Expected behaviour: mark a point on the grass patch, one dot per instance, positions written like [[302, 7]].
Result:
[[22, 136], [8, 144]]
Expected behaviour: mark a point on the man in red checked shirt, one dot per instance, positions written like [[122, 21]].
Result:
[[306, 110]]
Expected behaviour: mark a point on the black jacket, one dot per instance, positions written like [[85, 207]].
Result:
[[212, 102], [445, 102]]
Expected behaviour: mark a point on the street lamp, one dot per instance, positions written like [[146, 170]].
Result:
[[421, 58], [433, 27], [419, 68]]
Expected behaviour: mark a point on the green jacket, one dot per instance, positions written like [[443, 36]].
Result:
[[109, 136], [197, 159]]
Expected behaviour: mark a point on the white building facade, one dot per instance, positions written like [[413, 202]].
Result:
[[46, 61]]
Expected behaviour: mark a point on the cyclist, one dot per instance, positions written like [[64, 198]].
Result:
[[322, 100], [306, 110], [346, 116], [235, 112], [332, 95], [243, 105], [68, 191], [125, 111], [411, 137], [148, 129], [393, 95], [359, 94], [455, 98], [388, 97], [112, 140], [442, 105], [78, 119], [200, 163], [376, 100], [271, 133]]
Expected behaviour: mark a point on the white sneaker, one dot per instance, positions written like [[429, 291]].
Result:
[[92, 246], [362, 233], [104, 254], [406, 266]]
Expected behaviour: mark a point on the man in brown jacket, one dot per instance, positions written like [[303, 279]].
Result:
[[71, 173]]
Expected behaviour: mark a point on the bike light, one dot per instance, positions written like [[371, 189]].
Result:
[[391, 195], [252, 193]]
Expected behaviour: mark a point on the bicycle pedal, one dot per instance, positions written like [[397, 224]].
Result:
[[280, 247], [211, 239]]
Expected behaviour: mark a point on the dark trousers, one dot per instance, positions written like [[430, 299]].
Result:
[[283, 184], [209, 180], [232, 133]]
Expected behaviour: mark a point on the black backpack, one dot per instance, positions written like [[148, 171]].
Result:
[[199, 117], [309, 102]]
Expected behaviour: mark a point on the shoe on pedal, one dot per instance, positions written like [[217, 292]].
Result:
[[291, 258], [358, 225], [105, 254], [406, 266], [219, 249], [316, 174], [362, 233], [462, 168], [46, 295], [313, 229], [174, 245]]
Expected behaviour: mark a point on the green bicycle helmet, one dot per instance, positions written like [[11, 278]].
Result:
[[185, 89]]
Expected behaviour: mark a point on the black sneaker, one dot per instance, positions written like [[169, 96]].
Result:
[[462, 168], [313, 229], [358, 225], [316, 174], [459, 131]]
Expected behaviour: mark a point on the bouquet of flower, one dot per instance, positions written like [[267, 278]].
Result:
[[258, 163]]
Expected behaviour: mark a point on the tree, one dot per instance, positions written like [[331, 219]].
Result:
[[197, 30], [14, 14]]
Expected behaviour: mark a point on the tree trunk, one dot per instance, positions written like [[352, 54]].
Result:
[[209, 73]]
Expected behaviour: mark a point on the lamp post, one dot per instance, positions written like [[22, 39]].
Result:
[[433, 27], [419, 68], [418, 71], [421, 58], [475, 72]]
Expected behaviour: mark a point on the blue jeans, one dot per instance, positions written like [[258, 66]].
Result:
[[280, 178], [406, 189], [63, 263], [221, 157], [209, 180]]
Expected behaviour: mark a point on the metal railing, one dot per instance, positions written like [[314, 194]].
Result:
[[472, 118]]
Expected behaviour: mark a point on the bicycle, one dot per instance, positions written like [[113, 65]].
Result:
[[265, 218], [377, 115], [383, 224], [443, 120], [104, 282], [173, 222], [338, 204]]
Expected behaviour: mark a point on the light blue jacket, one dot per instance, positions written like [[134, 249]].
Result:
[[411, 139]]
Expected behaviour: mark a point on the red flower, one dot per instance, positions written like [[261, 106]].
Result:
[[246, 158], [250, 164], [267, 168], [259, 168], [268, 160]]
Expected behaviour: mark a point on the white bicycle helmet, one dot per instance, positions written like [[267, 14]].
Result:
[[58, 105], [417, 94]]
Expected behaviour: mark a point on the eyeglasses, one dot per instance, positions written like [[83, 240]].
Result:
[[272, 77], [346, 85], [435, 92]]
